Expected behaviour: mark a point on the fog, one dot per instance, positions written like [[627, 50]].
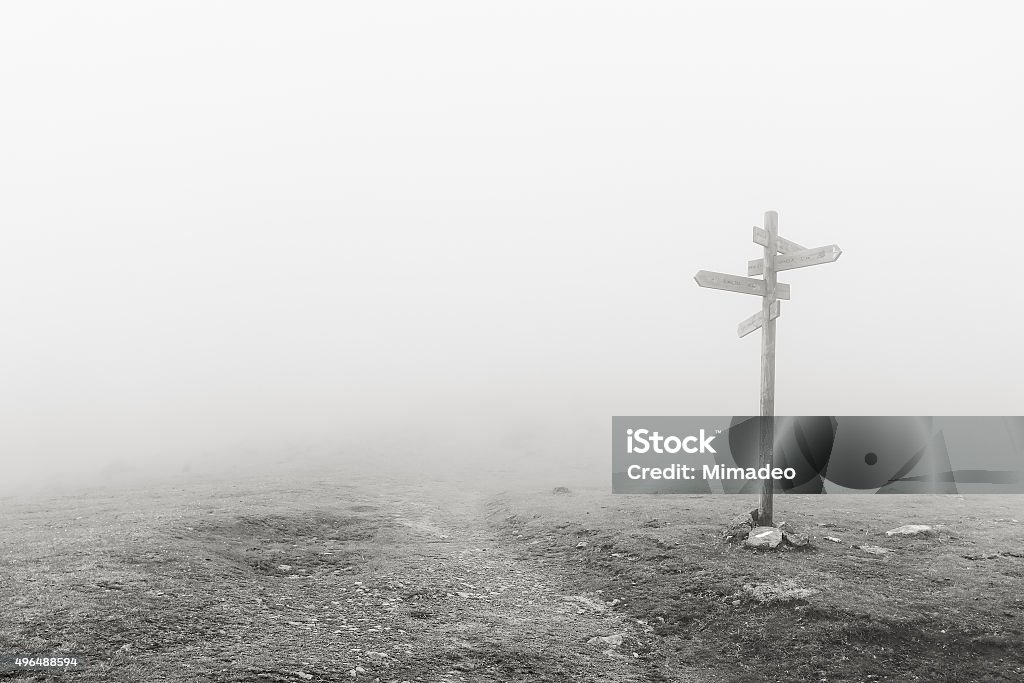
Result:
[[465, 232]]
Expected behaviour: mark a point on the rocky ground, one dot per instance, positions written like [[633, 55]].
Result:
[[284, 585], [339, 580]]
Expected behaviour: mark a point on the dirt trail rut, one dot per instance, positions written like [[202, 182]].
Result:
[[446, 601], [338, 583]]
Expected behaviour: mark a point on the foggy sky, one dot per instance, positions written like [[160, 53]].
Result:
[[253, 225]]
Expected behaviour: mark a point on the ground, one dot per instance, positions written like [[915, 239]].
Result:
[[336, 578]]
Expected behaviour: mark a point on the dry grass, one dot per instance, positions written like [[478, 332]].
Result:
[[272, 580], [928, 611]]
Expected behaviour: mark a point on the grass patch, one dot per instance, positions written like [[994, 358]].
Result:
[[923, 612]]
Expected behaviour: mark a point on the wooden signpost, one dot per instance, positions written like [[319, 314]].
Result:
[[754, 322], [736, 283], [771, 291], [797, 259]]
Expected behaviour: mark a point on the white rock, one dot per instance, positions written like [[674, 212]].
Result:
[[874, 549], [764, 537], [582, 599], [909, 530], [614, 640]]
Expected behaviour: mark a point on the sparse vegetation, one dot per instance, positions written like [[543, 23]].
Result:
[[335, 580], [929, 610]]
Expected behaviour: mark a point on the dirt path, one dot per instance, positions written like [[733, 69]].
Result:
[[446, 602], [339, 582]]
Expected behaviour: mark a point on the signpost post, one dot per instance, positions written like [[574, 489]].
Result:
[[771, 291], [767, 450]]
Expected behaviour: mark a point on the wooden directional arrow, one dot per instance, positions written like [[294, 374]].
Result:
[[797, 259], [782, 245], [738, 283], [755, 321]]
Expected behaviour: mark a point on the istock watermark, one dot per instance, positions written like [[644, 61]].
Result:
[[644, 440], [819, 454]]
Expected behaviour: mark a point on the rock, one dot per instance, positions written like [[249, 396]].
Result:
[[763, 537], [614, 640], [283, 567], [740, 526], [833, 539], [873, 549], [581, 544], [748, 519], [737, 533], [560, 491], [910, 530], [797, 539], [303, 675], [584, 600]]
